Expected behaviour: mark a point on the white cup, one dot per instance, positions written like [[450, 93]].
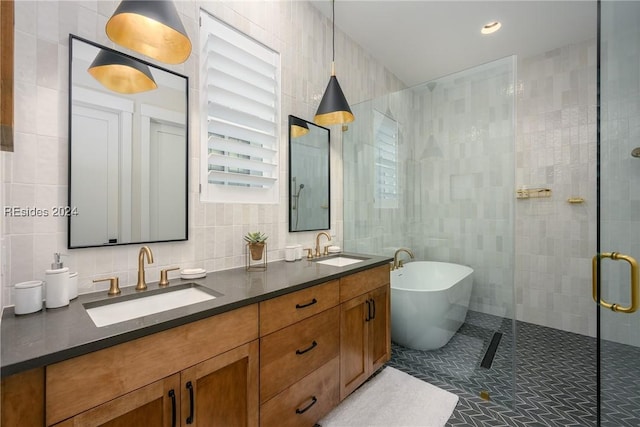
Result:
[[290, 253], [298, 251], [73, 285], [28, 297]]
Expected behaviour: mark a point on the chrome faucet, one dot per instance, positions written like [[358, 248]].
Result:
[[318, 241], [398, 263], [142, 285]]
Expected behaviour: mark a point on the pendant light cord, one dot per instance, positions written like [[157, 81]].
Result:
[[333, 31]]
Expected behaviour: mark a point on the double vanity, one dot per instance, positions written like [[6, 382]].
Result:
[[277, 347]]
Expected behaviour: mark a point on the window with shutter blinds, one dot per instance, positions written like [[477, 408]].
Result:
[[385, 133], [240, 86]]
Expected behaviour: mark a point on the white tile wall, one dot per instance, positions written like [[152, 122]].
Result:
[[555, 148], [36, 173]]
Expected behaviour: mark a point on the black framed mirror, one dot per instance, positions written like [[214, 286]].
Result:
[[128, 149], [309, 177]]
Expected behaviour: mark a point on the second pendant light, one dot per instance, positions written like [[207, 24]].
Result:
[[333, 108]]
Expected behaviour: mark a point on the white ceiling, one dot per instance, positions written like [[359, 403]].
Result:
[[421, 40]]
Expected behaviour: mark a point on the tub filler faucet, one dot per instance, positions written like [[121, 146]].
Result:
[[398, 263]]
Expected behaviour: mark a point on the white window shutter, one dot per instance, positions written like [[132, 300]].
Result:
[[385, 134], [240, 91]]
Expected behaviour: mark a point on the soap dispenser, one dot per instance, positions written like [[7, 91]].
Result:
[[56, 284]]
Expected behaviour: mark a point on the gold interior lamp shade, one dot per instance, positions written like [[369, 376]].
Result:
[[299, 127], [121, 74], [152, 28]]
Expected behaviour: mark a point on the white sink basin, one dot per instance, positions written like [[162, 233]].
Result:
[[340, 261], [109, 313]]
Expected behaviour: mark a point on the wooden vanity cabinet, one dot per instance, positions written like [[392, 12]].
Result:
[[365, 336], [221, 391], [217, 356], [287, 361]]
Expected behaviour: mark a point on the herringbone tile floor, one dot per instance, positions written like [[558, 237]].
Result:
[[555, 376]]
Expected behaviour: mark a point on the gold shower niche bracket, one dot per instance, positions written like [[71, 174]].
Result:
[[532, 193]]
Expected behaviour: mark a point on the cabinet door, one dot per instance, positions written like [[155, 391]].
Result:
[[23, 399], [354, 344], [379, 328], [222, 391], [154, 405]]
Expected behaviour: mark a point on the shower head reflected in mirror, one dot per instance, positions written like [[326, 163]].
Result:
[[296, 199], [635, 152]]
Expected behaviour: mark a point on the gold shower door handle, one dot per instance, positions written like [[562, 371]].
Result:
[[635, 291]]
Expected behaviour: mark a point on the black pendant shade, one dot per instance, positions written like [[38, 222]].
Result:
[[299, 127], [121, 74], [152, 28], [334, 108]]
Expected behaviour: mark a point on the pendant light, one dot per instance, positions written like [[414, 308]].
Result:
[[152, 28], [120, 73], [333, 108], [299, 127]]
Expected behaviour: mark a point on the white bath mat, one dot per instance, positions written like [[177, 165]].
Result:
[[393, 399]]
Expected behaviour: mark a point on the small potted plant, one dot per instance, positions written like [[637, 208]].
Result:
[[256, 240]]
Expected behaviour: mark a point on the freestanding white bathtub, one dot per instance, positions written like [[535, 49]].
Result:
[[429, 302]]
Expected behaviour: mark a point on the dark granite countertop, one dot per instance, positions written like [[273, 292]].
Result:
[[53, 335]]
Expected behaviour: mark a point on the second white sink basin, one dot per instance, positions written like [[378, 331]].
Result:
[[108, 312], [339, 261]]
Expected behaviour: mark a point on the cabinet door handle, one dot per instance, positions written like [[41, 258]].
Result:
[[172, 395], [313, 301], [311, 347], [373, 304], [366, 319], [191, 403], [306, 408]]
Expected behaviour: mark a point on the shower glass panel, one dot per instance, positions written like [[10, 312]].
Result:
[[619, 207], [431, 168]]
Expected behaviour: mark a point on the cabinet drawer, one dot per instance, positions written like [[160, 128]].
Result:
[[363, 282], [288, 309], [306, 401], [291, 353]]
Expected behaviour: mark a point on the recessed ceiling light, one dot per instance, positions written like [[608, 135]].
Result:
[[491, 27]]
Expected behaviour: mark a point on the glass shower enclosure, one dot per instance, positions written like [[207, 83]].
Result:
[[431, 168]]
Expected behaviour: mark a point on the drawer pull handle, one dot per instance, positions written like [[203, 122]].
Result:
[[373, 304], [190, 388], [306, 408], [172, 395], [311, 347], [368, 311], [313, 301]]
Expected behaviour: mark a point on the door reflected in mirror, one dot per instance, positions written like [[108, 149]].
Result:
[[309, 183], [128, 151]]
